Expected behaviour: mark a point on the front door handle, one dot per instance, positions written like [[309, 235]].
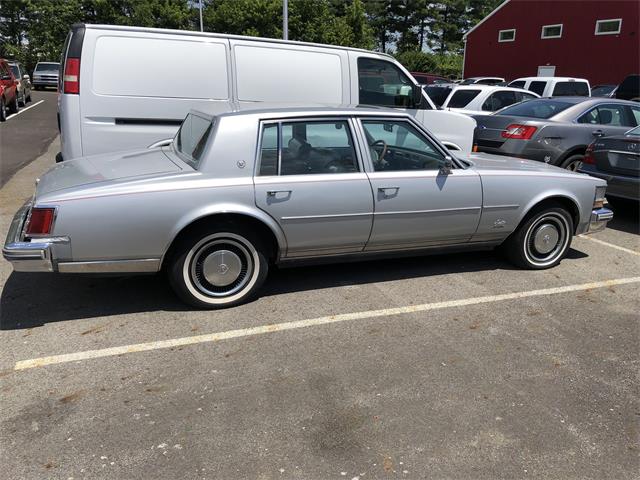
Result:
[[389, 191], [598, 133], [274, 193]]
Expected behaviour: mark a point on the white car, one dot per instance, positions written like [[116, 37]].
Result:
[[484, 99], [554, 86], [482, 81]]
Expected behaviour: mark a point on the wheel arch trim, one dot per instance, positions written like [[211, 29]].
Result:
[[558, 195]]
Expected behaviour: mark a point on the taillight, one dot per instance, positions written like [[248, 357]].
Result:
[[519, 132], [71, 76], [588, 156], [40, 221]]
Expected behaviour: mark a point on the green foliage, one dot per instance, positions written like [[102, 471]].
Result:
[[447, 65]]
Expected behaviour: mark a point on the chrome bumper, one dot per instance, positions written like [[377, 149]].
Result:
[[599, 219], [28, 256]]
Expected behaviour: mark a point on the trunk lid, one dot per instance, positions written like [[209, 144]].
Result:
[[619, 155], [103, 168], [488, 133]]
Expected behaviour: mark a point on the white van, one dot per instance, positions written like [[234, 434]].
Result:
[[554, 86], [128, 87]]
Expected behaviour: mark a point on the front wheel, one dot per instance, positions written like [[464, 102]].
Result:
[[218, 268], [542, 240]]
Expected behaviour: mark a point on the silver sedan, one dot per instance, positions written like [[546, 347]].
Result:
[[235, 193]]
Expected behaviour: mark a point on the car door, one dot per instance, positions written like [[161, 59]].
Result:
[[8, 82], [310, 179], [416, 203], [608, 119]]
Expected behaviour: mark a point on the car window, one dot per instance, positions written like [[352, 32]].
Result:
[[47, 67], [192, 138], [570, 89], [382, 83], [4, 72], [538, 108], [461, 98], [498, 100], [488, 81], [537, 87], [308, 148], [635, 112], [635, 132], [16, 71], [517, 84], [614, 115], [438, 93], [398, 146], [590, 117]]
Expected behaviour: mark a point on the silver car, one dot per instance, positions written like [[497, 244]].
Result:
[[235, 193]]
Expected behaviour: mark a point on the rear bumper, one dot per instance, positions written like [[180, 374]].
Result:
[[29, 256], [599, 219], [622, 186]]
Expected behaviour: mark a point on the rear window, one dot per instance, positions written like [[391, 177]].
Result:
[[569, 89], [537, 87], [192, 138], [540, 108], [438, 93], [461, 98], [47, 67]]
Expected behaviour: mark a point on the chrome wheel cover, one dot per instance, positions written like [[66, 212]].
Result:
[[546, 239], [221, 268], [574, 166]]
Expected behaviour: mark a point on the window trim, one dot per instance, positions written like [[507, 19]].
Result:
[[599, 22], [546, 37], [500, 32], [323, 119]]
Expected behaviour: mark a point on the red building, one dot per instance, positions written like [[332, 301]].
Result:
[[594, 39]]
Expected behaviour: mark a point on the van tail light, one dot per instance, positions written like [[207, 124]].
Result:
[[588, 156], [40, 221], [519, 132], [71, 76]]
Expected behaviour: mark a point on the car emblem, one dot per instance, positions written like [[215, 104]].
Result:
[[499, 223], [223, 268], [241, 164]]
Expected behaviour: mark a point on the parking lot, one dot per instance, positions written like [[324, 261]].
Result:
[[454, 366]]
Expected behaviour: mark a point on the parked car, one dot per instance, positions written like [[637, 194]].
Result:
[[482, 81], [629, 89], [554, 86], [616, 159], [8, 91], [603, 91], [46, 74], [99, 112], [479, 99], [24, 83], [429, 79], [236, 192], [438, 92], [554, 130]]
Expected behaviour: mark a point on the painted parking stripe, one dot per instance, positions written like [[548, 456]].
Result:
[[24, 110], [279, 327], [611, 245]]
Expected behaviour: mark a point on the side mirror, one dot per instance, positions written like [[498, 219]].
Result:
[[447, 165], [416, 96]]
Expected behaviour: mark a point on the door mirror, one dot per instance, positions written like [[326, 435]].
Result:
[[416, 94], [447, 165]]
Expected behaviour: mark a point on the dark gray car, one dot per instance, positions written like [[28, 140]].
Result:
[[554, 130]]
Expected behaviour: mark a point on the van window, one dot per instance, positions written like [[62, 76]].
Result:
[[146, 67], [192, 138], [461, 98], [537, 87], [268, 74], [382, 83], [566, 89]]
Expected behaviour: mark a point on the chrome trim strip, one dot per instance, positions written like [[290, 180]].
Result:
[[500, 207], [420, 212], [142, 265], [622, 152], [318, 217]]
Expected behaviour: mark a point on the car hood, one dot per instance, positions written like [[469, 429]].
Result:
[[487, 162], [85, 171]]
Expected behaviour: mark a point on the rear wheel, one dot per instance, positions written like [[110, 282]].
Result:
[[22, 101], [573, 163], [3, 110], [218, 268], [542, 240], [13, 106]]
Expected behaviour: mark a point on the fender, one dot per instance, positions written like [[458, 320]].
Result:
[[550, 194]]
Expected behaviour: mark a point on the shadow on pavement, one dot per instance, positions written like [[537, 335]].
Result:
[[626, 216], [31, 299]]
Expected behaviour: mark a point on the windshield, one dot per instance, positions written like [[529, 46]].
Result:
[[602, 90], [541, 108], [16, 71], [191, 139], [47, 67]]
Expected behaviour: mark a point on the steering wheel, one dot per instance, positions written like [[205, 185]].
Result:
[[384, 148]]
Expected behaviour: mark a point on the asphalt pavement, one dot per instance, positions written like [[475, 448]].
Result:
[[27, 134], [444, 367]]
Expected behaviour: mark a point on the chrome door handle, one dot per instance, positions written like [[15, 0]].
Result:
[[388, 191], [273, 193]]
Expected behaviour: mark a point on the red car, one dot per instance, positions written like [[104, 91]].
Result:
[[8, 90]]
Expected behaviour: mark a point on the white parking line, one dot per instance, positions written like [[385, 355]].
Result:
[[617, 247], [279, 327], [24, 110]]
